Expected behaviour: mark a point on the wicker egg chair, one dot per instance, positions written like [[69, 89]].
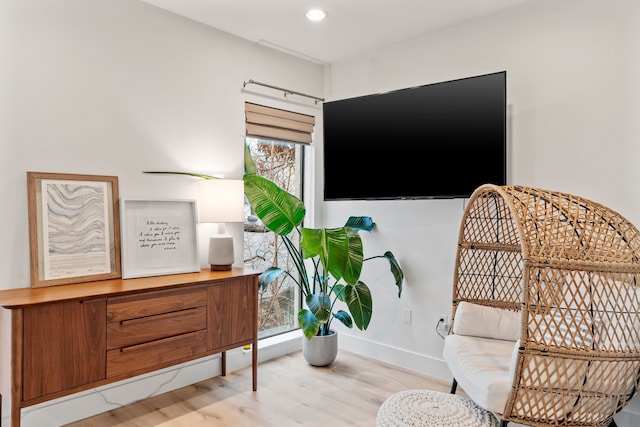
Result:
[[571, 266]]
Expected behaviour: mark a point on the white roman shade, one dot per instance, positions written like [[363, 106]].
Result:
[[280, 125]]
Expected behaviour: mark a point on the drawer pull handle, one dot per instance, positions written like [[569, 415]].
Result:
[[158, 316], [158, 342]]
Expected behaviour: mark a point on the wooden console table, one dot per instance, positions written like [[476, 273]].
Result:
[[70, 338]]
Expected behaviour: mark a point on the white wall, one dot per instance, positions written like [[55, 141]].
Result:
[[574, 101], [117, 87]]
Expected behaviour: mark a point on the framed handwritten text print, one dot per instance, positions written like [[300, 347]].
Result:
[[159, 237]]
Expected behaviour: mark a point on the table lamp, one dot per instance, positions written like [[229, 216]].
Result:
[[221, 201]]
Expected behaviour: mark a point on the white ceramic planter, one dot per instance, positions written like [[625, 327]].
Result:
[[320, 350]]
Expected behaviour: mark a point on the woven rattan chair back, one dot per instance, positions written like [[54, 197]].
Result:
[[571, 267]]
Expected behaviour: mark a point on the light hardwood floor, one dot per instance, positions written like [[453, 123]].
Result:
[[290, 393]]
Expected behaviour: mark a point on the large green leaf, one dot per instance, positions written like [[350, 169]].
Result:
[[320, 305], [338, 291], [330, 244], [396, 270], [195, 175], [360, 223], [249, 164], [308, 323], [359, 301], [344, 317], [268, 276], [355, 258], [279, 210]]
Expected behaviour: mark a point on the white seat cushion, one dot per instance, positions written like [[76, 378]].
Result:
[[487, 322], [482, 368]]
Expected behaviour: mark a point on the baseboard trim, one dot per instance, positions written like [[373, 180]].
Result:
[[396, 356]]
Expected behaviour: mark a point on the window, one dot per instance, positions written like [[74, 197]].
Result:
[[276, 139]]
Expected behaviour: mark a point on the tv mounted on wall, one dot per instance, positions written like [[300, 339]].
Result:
[[440, 140]]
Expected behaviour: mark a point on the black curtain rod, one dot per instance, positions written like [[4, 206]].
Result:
[[286, 91]]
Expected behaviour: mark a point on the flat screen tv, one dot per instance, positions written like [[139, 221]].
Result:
[[439, 140]]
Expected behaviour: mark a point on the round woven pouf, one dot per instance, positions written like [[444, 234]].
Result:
[[432, 408]]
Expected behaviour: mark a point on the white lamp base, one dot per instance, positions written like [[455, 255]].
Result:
[[221, 252]]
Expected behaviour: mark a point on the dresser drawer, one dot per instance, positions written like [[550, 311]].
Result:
[[155, 354], [155, 302], [155, 328], [150, 328]]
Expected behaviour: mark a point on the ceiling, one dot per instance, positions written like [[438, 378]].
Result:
[[350, 28]]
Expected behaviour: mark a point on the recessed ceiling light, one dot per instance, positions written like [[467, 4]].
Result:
[[316, 14]]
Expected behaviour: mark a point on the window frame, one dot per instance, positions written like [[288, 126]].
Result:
[[308, 178]]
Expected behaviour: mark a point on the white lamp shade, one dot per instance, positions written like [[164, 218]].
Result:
[[220, 200]]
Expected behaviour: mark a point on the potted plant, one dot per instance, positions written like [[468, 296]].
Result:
[[328, 263]]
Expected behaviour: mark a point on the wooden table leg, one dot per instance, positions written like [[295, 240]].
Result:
[[16, 366], [254, 364]]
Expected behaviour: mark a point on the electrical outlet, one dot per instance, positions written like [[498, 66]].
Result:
[[443, 320], [443, 325], [407, 316]]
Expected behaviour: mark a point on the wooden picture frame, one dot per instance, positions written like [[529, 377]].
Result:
[[74, 228], [159, 237]]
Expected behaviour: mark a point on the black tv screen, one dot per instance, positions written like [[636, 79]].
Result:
[[440, 140]]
